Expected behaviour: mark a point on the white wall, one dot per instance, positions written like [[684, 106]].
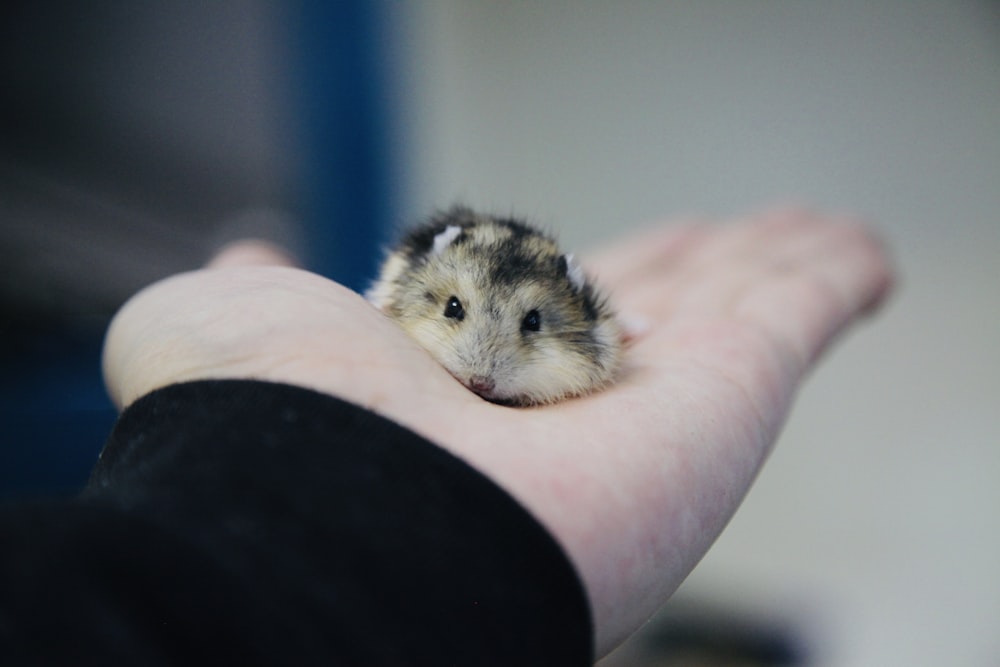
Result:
[[876, 526]]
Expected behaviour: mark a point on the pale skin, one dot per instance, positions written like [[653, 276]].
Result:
[[636, 481]]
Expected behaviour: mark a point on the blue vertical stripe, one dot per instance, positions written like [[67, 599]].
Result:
[[344, 127]]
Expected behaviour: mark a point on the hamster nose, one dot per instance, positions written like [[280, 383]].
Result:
[[482, 385]]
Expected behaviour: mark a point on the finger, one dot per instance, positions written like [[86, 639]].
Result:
[[251, 252], [707, 280], [655, 266], [649, 250], [804, 299]]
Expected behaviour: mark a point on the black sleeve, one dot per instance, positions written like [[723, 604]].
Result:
[[267, 524]]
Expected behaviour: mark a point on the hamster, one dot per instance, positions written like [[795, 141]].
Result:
[[496, 303]]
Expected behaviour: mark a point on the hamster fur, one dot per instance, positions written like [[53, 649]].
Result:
[[501, 308]]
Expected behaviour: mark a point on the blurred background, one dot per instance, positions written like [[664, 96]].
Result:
[[135, 138]]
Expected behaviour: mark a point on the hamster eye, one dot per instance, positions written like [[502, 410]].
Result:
[[532, 321], [454, 309]]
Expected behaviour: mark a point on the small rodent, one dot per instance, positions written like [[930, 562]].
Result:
[[498, 304]]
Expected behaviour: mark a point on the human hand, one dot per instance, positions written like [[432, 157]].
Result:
[[635, 481]]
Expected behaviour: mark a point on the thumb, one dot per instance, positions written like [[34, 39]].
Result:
[[251, 252]]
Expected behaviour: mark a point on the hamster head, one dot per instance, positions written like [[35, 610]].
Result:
[[501, 308]]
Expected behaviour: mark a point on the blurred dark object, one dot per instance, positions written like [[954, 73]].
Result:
[[695, 633], [137, 138]]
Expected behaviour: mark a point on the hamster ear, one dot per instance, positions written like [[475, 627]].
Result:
[[573, 270], [445, 239]]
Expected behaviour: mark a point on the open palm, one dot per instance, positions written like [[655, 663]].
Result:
[[636, 481]]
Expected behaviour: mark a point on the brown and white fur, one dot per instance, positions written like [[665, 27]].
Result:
[[501, 308]]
